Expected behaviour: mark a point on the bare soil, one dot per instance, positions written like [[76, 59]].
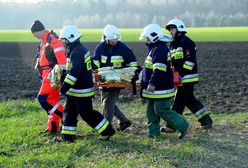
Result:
[[222, 67]]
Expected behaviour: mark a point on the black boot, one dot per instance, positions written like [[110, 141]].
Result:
[[206, 122], [124, 125], [68, 138]]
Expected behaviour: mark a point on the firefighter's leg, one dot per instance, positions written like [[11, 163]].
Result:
[[108, 103], [109, 99], [198, 109], [175, 120], [178, 106], [180, 99], [49, 100], [153, 120], [70, 120], [124, 123], [93, 118]]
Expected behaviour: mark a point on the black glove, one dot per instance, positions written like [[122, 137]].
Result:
[[64, 88]]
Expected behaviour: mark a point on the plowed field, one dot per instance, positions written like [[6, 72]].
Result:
[[222, 67]]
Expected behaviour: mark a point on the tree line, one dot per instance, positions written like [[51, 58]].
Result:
[[124, 13]]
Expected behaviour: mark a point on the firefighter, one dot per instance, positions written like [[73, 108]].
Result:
[[78, 88], [111, 52], [50, 52], [157, 83], [183, 57]]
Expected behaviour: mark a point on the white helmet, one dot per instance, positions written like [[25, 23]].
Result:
[[178, 23], [154, 33], [111, 32], [70, 33]]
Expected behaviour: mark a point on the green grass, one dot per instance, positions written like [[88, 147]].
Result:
[[21, 145], [132, 35]]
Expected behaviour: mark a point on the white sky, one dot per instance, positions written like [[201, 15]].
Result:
[[20, 1]]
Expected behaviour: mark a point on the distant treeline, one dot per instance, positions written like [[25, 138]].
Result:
[[124, 13]]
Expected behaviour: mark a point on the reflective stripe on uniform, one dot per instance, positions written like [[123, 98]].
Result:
[[159, 94], [188, 65], [102, 125], [159, 66], [116, 58], [104, 59], [69, 130], [59, 49], [87, 57], [177, 53], [133, 64], [200, 113], [190, 78], [97, 63], [148, 62], [70, 79], [54, 108], [81, 92]]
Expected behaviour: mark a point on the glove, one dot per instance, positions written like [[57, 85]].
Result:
[[64, 88]]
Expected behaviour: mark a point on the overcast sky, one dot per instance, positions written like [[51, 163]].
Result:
[[28, 1]]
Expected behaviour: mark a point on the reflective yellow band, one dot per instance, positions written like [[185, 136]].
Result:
[[97, 63], [185, 66], [133, 64], [201, 113], [104, 59], [80, 94], [159, 94], [67, 80], [178, 55], [102, 125], [190, 78], [117, 60], [69, 132], [149, 66], [87, 58]]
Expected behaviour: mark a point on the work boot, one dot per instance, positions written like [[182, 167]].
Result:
[[208, 126], [206, 122], [182, 135], [167, 130], [124, 125]]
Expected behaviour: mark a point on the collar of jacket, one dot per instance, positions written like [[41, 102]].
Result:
[[69, 47], [179, 37], [108, 45], [44, 37], [152, 45]]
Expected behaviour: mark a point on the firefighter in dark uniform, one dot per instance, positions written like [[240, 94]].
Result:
[[111, 52], [78, 88], [183, 57], [157, 83]]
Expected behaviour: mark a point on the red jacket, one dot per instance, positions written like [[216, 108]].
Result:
[[51, 51]]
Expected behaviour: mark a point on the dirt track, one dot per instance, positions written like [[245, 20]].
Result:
[[222, 67]]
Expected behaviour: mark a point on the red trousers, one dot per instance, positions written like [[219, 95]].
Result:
[[49, 99]]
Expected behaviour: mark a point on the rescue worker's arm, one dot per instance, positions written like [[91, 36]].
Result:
[[130, 58], [189, 55], [73, 73], [159, 66], [59, 51], [96, 58]]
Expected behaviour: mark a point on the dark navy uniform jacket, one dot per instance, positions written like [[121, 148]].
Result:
[[183, 57], [157, 71], [117, 56], [78, 81]]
